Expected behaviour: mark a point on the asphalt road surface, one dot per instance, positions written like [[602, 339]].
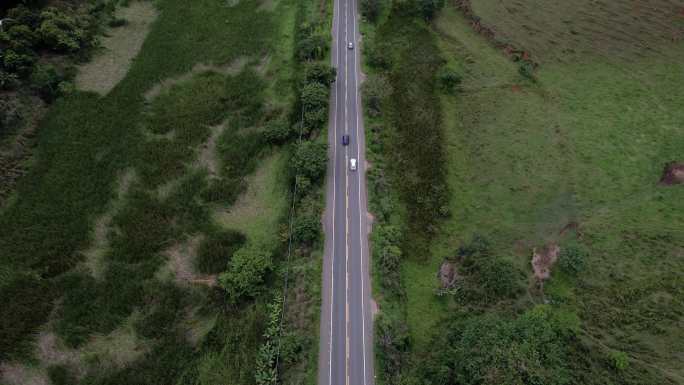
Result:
[[346, 347]]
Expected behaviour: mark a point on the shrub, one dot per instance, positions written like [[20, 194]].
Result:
[[19, 63], [393, 342], [47, 82], [8, 80], [571, 259], [216, 250], [449, 79], [489, 349], [526, 69], [246, 272], [619, 359], [375, 89], [278, 131], [60, 375]]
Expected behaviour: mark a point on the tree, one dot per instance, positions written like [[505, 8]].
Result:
[[370, 9], [375, 90], [278, 131], [62, 32], [246, 272], [306, 229], [319, 72], [314, 96], [311, 159], [428, 8]]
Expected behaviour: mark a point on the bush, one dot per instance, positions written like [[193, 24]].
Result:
[[490, 278], [47, 82], [393, 342], [246, 272], [526, 69], [375, 89], [215, 251], [8, 80], [60, 375], [449, 79], [278, 131], [571, 259], [19, 63], [531, 349]]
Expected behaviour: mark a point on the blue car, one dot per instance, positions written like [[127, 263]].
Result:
[[345, 140]]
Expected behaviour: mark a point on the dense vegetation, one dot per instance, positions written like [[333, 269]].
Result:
[[534, 157], [196, 297]]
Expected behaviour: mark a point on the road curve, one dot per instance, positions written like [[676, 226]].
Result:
[[346, 347]]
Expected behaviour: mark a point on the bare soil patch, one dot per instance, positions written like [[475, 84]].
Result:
[[447, 275], [17, 374], [543, 261], [673, 173], [121, 45]]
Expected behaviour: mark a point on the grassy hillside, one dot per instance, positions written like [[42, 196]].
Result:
[[117, 248], [568, 155]]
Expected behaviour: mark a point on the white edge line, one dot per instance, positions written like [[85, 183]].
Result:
[[361, 175], [332, 254]]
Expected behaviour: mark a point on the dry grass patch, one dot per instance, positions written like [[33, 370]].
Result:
[[231, 68], [207, 157], [100, 238], [257, 211], [17, 374], [121, 46], [180, 267]]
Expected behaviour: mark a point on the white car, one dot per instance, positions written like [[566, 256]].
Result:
[[350, 45], [352, 164]]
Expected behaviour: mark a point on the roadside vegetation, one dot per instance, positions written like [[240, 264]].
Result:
[[121, 228], [554, 256]]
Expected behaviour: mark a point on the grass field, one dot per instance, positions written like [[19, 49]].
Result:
[[186, 151], [571, 157]]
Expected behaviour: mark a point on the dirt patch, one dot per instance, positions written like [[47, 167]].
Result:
[[51, 351], [673, 173], [543, 261], [375, 309], [121, 45], [231, 68], [267, 5], [515, 88], [447, 275], [17, 374], [207, 157], [180, 266]]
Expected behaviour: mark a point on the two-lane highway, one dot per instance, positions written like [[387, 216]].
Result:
[[346, 349]]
